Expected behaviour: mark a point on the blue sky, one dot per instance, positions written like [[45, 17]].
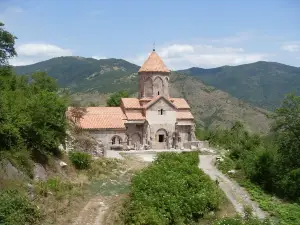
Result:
[[187, 33]]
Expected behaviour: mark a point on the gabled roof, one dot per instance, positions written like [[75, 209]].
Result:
[[131, 103], [156, 99], [102, 118], [154, 64], [134, 116], [184, 115], [180, 103]]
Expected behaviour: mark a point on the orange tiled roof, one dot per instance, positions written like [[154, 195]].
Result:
[[135, 116], [154, 64], [131, 103], [145, 99], [103, 118], [184, 115], [180, 103]]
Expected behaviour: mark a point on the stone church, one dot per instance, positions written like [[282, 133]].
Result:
[[154, 120]]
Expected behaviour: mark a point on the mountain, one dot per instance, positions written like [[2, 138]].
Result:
[[263, 84], [91, 80], [86, 74], [215, 108]]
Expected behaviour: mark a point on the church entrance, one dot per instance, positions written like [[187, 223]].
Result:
[[160, 139]]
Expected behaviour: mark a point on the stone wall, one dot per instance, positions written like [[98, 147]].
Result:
[[106, 136], [152, 83]]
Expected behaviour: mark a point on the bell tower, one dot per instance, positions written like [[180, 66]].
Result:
[[153, 77]]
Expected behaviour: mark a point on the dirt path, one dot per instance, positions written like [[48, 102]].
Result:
[[234, 192], [98, 210], [103, 209], [92, 213]]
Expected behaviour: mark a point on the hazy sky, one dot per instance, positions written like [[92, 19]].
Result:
[[186, 32]]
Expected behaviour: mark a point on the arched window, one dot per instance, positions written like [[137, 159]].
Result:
[[116, 140]]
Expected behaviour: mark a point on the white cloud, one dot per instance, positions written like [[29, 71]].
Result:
[[291, 47], [42, 50], [176, 50], [180, 56], [99, 57], [35, 52]]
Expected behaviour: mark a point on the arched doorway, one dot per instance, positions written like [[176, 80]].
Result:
[[116, 140], [161, 139]]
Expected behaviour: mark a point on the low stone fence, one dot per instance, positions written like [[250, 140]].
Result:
[[196, 145]]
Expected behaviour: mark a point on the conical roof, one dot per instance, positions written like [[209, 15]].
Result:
[[154, 64]]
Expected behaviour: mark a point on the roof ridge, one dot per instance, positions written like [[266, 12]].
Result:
[[156, 99]]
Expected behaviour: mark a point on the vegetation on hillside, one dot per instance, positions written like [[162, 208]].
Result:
[[215, 109], [171, 191], [32, 125], [31, 111], [263, 84], [81, 74], [270, 162], [115, 98]]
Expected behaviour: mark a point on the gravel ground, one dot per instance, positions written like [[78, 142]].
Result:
[[234, 192]]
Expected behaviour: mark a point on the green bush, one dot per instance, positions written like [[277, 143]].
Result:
[[171, 191], [115, 99], [80, 160], [15, 208]]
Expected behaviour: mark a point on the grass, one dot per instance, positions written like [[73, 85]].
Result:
[[16, 208], [286, 213], [283, 213], [110, 186]]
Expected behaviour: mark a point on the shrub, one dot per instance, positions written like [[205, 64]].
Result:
[[15, 208], [171, 191], [80, 160]]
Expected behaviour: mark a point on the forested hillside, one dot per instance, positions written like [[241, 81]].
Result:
[[263, 84], [80, 74]]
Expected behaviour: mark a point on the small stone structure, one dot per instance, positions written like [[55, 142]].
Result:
[[154, 120]]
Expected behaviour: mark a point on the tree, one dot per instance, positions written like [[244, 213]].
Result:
[[115, 98], [287, 117], [77, 113], [40, 81], [7, 45]]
